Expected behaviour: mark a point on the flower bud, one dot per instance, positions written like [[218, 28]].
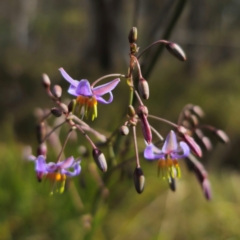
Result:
[[206, 186], [198, 111], [146, 129], [131, 111], [222, 136], [57, 91], [143, 88], [124, 130], [56, 112], [139, 179], [176, 51], [132, 36], [42, 150], [46, 81], [64, 107], [71, 106], [41, 132], [99, 159], [190, 141]]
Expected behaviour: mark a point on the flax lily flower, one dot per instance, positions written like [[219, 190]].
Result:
[[57, 172], [88, 96], [168, 156]]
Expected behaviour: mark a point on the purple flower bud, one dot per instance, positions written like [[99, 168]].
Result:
[[143, 88], [190, 141], [132, 36], [124, 130], [57, 91], [56, 112], [99, 159], [146, 129], [139, 179], [206, 186], [176, 51], [46, 81]]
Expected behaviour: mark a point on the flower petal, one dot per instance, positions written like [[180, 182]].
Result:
[[184, 149], [40, 164], [67, 163], [170, 143], [51, 167], [68, 78], [150, 155], [75, 172], [105, 88], [83, 88], [72, 90], [102, 100]]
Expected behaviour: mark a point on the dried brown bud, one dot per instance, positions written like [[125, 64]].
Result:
[[172, 183], [132, 36], [56, 112], [139, 179], [99, 159], [124, 130], [46, 81], [222, 136], [143, 88], [41, 132], [71, 106], [57, 91], [176, 51]]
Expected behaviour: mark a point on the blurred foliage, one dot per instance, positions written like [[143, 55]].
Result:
[[90, 40]]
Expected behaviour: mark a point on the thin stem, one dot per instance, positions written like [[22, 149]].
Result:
[[138, 65], [64, 145], [138, 97], [46, 116], [55, 128], [107, 76], [136, 147], [151, 45], [163, 120], [131, 96], [157, 133], [86, 136]]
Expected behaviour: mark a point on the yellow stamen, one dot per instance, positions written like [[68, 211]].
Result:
[[90, 105], [169, 168]]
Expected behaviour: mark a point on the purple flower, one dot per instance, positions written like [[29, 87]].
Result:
[[57, 172], [88, 96], [169, 154]]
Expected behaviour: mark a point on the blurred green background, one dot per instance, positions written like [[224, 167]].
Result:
[[89, 39]]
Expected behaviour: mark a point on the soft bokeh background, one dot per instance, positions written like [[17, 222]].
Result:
[[89, 39]]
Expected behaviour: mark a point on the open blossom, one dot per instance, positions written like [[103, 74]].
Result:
[[57, 172], [168, 156], [88, 96]]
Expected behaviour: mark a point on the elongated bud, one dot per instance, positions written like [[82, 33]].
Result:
[[46, 81], [57, 91], [146, 129], [143, 88], [71, 106], [56, 112], [132, 36], [42, 150], [99, 159], [139, 179], [64, 107], [124, 130], [131, 111], [198, 111], [222, 136], [206, 187], [190, 141], [176, 51], [41, 132]]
